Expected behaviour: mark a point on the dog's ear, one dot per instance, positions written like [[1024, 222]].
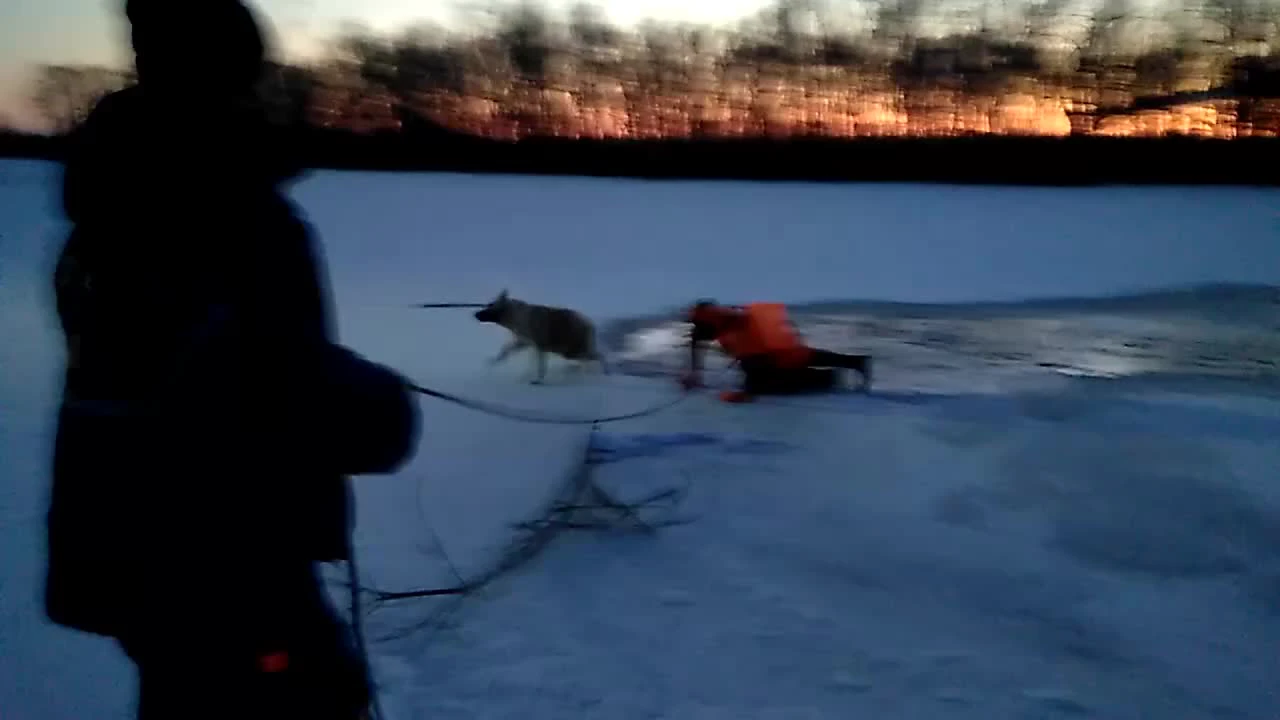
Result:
[[502, 296]]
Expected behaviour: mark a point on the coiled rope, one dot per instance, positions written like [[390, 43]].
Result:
[[531, 417], [464, 585]]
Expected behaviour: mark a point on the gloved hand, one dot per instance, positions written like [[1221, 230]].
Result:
[[690, 380]]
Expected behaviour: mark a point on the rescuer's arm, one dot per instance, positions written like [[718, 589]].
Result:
[[697, 336]]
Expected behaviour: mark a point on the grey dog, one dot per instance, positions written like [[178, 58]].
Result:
[[545, 329]]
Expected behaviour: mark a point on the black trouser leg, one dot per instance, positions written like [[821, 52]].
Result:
[[211, 666], [826, 358], [859, 363], [762, 376]]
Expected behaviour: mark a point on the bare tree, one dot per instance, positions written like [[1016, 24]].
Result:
[[519, 64], [526, 35], [64, 94]]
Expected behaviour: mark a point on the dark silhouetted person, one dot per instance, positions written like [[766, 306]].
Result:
[[208, 419]]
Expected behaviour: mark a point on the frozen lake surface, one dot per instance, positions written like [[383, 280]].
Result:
[[1063, 510]]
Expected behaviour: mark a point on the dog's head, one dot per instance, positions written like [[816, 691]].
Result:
[[495, 310]]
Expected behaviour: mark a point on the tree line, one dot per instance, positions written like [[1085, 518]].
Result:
[[798, 68]]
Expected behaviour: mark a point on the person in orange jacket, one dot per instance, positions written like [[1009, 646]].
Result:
[[773, 357]]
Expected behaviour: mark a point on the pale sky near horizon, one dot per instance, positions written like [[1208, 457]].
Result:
[[93, 31]]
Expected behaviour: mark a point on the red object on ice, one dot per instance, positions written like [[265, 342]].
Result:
[[274, 662]]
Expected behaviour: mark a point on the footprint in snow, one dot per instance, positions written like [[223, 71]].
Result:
[[1060, 700], [675, 598], [946, 657], [955, 696], [848, 681]]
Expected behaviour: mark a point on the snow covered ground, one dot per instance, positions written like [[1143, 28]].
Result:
[[1024, 545], [916, 556]]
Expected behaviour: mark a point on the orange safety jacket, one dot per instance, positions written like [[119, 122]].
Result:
[[759, 329]]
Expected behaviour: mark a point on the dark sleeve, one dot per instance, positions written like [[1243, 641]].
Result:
[[95, 166], [283, 323], [294, 310], [309, 303], [86, 202], [699, 334], [78, 169], [70, 286]]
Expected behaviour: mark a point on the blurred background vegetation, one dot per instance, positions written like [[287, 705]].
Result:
[[933, 68]]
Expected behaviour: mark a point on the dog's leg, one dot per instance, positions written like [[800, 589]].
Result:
[[540, 359], [505, 352]]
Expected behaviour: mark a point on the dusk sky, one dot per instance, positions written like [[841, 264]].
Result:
[[93, 31]]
